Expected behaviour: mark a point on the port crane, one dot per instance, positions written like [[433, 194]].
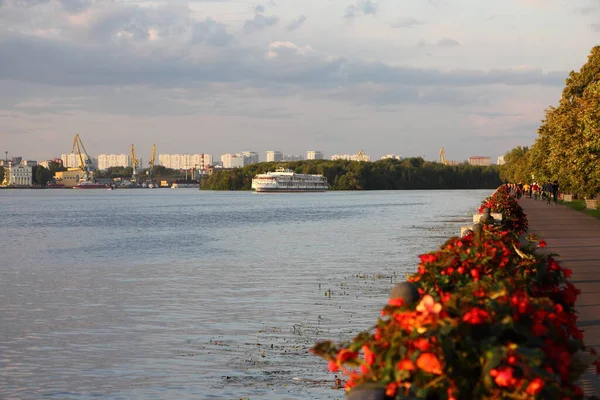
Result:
[[150, 172], [361, 156], [442, 158], [85, 164], [134, 164]]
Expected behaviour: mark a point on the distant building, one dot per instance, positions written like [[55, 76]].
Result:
[[29, 163], [72, 160], [106, 161], [292, 157], [16, 160], [478, 160], [69, 178], [185, 161], [232, 160], [18, 175], [251, 157], [274, 156], [500, 160], [361, 156], [391, 156], [314, 155], [46, 163]]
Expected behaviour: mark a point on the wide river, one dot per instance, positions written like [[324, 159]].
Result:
[[186, 294]]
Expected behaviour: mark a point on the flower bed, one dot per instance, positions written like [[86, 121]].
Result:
[[495, 320]]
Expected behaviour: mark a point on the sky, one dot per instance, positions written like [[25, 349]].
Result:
[[217, 76]]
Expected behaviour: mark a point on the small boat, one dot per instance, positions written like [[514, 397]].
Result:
[[90, 185]]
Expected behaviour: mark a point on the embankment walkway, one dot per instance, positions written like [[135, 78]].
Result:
[[576, 238]]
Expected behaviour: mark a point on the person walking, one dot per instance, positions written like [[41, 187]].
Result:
[[555, 191], [547, 191]]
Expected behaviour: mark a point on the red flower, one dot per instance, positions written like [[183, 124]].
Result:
[[535, 386], [345, 355], [542, 244], [398, 302], [427, 258], [429, 363], [405, 365], [503, 376], [391, 388], [476, 316], [369, 356], [332, 366], [422, 344], [567, 272]]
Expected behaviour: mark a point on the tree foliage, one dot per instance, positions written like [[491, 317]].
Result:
[[567, 148], [41, 175], [516, 168], [412, 173]]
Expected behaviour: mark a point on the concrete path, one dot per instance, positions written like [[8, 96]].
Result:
[[576, 238]]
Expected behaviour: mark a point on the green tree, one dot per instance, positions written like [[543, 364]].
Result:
[[516, 167], [1, 175], [53, 166], [41, 175], [567, 147]]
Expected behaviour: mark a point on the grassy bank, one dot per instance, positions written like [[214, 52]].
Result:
[[579, 205]]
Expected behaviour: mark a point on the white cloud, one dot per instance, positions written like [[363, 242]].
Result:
[[296, 23]]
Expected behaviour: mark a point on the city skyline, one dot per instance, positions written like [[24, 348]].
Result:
[[215, 75], [71, 159]]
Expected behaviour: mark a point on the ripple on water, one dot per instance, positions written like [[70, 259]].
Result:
[[188, 294]]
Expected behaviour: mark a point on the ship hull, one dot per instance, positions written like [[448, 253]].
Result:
[[288, 190], [91, 186]]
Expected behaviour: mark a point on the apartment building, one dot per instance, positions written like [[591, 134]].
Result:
[[314, 155], [274, 156], [478, 160], [230, 160], [106, 161], [185, 161]]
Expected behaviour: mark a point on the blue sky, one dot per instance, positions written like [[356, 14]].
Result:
[[404, 77]]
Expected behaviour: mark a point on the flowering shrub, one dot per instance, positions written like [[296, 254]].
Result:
[[495, 320], [513, 217]]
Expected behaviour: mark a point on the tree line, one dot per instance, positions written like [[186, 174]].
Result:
[[567, 148], [388, 174]]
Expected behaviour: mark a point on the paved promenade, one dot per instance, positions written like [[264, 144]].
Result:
[[576, 238]]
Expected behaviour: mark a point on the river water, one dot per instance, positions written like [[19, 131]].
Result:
[[186, 294]]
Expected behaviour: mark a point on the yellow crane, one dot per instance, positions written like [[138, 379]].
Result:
[[85, 163], [134, 164], [152, 158], [442, 158], [361, 156], [150, 181]]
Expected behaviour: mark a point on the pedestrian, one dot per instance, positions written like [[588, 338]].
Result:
[[536, 190], [555, 191], [547, 191]]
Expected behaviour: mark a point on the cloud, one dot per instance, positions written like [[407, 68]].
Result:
[[447, 42], [211, 32], [55, 62], [361, 7], [407, 23], [75, 6], [296, 23], [286, 49], [260, 21]]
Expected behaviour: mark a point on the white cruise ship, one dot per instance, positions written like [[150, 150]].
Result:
[[286, 180]]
